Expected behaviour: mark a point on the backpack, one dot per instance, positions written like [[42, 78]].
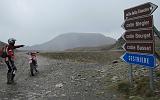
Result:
[[3, 52]]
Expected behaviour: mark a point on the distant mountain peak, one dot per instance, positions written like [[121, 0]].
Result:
[[73, 40]]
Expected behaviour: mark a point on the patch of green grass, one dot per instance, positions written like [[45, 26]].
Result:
[[140, 89], [89, 73], [157, 74], [124, 87], [142, 86], [135, 98], [91, 57]]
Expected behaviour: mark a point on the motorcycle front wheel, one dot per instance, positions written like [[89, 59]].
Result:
[[33, 69]]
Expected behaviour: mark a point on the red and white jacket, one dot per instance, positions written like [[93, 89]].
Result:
[[10, 51]]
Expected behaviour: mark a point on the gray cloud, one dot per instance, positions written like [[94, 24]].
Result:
[[36, 21]]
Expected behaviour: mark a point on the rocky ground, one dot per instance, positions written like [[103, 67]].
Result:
[[59, 80], [63, 80]]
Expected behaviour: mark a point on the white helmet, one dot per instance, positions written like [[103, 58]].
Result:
[[11, 41]]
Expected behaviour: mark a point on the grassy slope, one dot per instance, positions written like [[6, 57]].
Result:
[[140, 91], [92, 57], [99, 48]]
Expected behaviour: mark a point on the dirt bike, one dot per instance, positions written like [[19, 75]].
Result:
[[33, 66]]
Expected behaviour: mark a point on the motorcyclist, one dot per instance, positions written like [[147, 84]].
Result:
[[33, 62], [9, 59]]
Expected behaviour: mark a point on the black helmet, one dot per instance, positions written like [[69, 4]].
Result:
[[11, 41]]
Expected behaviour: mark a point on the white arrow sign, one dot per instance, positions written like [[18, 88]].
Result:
[[141, 10]]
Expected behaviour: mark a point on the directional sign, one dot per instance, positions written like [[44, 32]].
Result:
[[144, 9], [138, 35], [143, 22], [140, 59], [139, 47]]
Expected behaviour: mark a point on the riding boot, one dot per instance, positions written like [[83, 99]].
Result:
[[13, 75], [9, 76]]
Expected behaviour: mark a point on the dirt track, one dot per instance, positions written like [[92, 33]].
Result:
[[57, 80]]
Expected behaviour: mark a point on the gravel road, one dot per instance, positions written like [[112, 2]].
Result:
[[57, 80]]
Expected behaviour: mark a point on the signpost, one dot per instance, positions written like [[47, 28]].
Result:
[[139, 47], [139, 37], [144, 22], [140, 59], [141, 10]]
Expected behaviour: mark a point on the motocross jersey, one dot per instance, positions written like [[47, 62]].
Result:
[[10, 51]]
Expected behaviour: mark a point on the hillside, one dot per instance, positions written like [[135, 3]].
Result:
[[119, 43], [73, 40], [2, 44], [98, 48]]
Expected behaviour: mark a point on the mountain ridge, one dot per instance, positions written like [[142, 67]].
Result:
[[73, 40]]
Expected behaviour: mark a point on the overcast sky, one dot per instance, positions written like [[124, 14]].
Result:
[[37, 21]]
